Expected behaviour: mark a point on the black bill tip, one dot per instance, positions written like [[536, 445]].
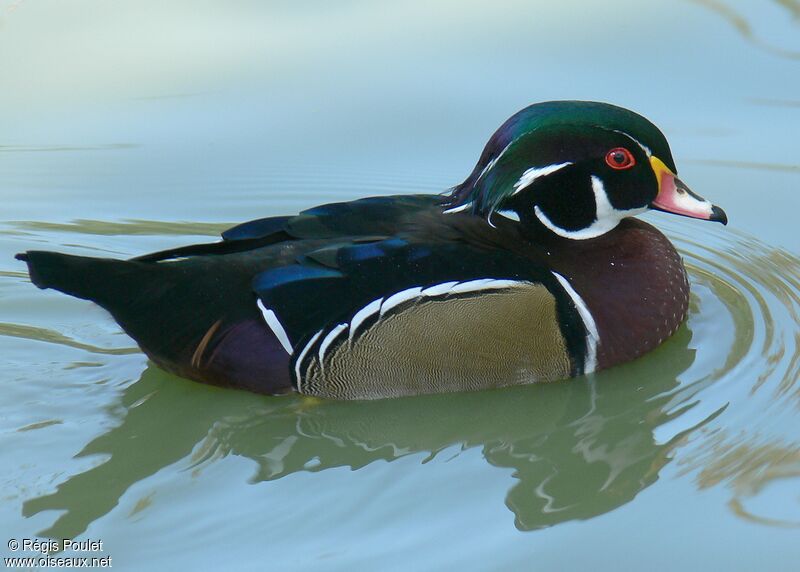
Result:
[[718, 215]]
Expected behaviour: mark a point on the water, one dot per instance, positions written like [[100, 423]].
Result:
[[132, 127]]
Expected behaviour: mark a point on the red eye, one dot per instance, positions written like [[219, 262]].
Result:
[[620, 158]]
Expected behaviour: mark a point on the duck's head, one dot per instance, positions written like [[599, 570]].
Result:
[[576, 168]]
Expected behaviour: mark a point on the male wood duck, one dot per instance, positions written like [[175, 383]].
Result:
[[531, 270]]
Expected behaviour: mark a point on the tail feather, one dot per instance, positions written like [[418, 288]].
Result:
[[133, 292], [101, 280]]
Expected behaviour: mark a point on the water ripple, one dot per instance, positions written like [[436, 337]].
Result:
[[50, 336], [747, 451], [707, 398]]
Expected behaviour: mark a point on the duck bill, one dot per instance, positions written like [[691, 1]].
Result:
[[675, 197]]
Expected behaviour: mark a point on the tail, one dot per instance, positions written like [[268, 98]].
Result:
[[193, 319], [101, 280], [133, 292]]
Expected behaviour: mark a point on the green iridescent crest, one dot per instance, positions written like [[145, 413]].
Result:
[[547, 134]]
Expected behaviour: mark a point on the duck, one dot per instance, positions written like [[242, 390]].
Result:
[[531, 270]]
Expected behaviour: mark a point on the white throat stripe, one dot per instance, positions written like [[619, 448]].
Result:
[[606, 216]]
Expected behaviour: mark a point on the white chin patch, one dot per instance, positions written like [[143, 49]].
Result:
[[606, 216]]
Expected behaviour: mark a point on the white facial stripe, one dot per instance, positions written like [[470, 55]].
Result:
[[332, 335], [399, 298], [592, 336], [492, 163], [485, 170], [606, 217], [458, 209], [644, 147], [302, 355], [276, 327], [529, 176], [363, 314]]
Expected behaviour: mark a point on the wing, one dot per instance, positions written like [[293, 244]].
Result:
[[373, 216], [395, 317], [366, 219]]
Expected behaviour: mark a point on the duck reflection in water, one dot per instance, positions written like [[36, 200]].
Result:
[[578, 448]]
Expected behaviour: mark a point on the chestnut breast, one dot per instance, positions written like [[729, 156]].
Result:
[[634, 284]]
